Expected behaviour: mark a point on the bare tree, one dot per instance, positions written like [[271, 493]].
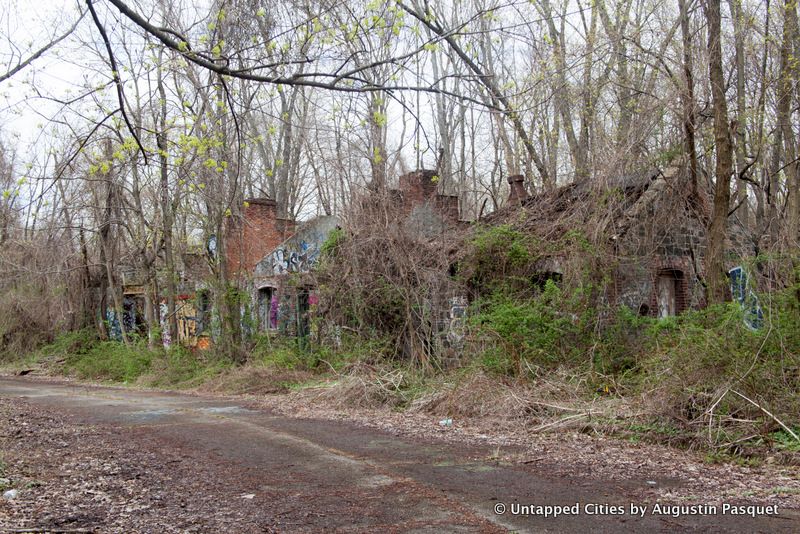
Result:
[[717, 231]]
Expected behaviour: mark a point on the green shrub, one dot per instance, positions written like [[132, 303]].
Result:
[[617, 348], [351, 349], [68, 344], [544, 330], [278, 352], [497, 253], [332, 243], [179, 366], [112, 360], [291, 354], [710, 357]]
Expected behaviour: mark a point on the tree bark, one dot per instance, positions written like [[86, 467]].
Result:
[[741, 110], [689, 111], [166, 213], [717, 232]]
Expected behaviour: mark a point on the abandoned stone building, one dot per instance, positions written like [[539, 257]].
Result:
[[653, 235], [653, 240], [284, 295], [248, 238], [192, 302]]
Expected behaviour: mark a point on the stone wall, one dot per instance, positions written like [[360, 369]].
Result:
[[668, 239]]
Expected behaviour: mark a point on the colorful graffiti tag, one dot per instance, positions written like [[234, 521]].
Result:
[[456, 330], [300, 252], [132, 317], [186, 318], [285, 260], [273, 312], [740, 289]]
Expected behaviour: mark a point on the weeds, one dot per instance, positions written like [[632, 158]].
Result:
[[112, 361], [542, 330], [699, 380]]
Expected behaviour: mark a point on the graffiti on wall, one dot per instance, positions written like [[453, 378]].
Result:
[[114, 328], [163, 314], [740, 289], [285, 316], [289, 259], [457, 320], [132, 317], [273, 312], [300, 252], [186, 317], [187, 321]]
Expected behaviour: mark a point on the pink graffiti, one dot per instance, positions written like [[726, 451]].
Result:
[[273, 312]]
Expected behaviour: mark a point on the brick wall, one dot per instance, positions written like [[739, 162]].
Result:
[[517, 194], [253, 235], [420, 188], [681, 269]]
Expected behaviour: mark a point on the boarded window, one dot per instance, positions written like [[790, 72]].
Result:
[[265, 321], [668, 288]]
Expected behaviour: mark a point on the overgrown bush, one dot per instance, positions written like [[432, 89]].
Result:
[[382, 278], [29, 317], [113, 361], [551, 328], [289, 354], [68, 343], [709, 371], [279, 353], [179, 366], [498, 255]]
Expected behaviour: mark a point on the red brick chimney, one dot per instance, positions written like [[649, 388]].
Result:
[[418, 186], [518, 194], [254, 235]]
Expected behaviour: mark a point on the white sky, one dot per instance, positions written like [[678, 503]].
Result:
[[26, 26]]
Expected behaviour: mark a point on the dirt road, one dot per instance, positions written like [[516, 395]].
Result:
[[92, 459]]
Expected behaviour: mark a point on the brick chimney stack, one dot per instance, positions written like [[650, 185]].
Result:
[[254, 235], [518, 194], [418, 186], [419, 189]]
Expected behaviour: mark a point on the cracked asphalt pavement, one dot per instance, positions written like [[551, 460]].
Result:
[[99, 459]]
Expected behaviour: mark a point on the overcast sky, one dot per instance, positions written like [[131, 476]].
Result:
[[27, 25]]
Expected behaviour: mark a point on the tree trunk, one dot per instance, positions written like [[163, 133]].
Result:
[[166, 214], [793, 166], [717, 232], [689, 113], [741, 111]]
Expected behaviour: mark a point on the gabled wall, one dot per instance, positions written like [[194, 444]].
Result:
[[279, 305], [256, 233], [426, 211], [298, 253], [667, 240]]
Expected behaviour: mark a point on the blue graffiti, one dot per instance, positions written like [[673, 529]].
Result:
[[114, 328], [740, 289]]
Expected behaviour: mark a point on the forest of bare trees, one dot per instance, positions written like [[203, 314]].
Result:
[[133, 130]]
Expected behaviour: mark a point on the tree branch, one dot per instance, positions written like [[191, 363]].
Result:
[[36, 55], [117, 80]]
